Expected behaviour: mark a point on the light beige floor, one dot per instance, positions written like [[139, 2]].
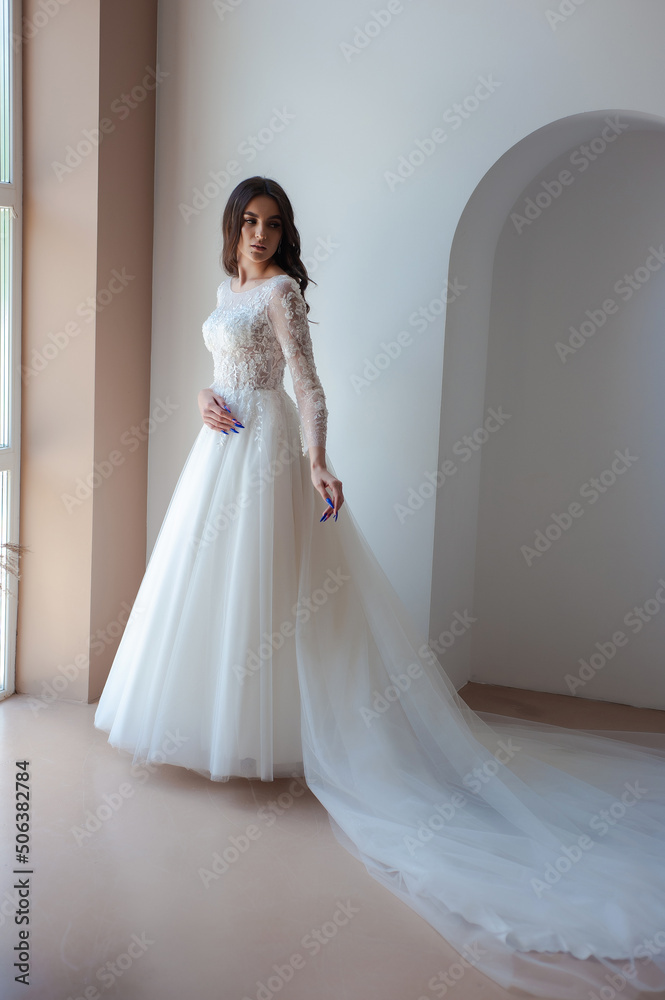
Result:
[[130, 894]]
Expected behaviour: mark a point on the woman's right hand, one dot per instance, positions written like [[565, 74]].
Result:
[[213, 413]]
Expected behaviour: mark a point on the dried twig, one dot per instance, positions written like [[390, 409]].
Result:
[[10, 555]]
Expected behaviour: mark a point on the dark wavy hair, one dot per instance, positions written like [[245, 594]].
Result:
[[287, 255]]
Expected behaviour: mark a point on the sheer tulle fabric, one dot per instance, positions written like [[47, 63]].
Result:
[[513, 839], [198, 660], [265, 644]]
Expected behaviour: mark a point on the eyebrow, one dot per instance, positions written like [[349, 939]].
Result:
[[270, 216]]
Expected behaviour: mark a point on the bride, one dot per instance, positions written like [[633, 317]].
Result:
[[265, 642]]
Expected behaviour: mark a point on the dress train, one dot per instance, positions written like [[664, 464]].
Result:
[[263, 643]]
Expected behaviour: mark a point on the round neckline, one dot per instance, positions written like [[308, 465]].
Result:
[[264, 282]]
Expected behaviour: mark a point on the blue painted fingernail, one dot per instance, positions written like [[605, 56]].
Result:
[[324, 516], [328, 500], [224, 432], [336, 515], [238, 424]]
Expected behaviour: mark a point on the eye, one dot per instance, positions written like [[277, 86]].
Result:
[[274, 225]]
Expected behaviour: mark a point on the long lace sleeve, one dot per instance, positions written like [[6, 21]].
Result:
[[288, 317]]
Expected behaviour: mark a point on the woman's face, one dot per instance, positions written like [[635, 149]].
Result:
[[261, 229]]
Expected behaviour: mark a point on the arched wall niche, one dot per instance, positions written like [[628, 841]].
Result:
[[563, 619]]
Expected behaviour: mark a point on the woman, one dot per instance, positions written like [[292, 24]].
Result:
[[266, 641]]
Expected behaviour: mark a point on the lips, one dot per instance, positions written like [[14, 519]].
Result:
[[258, 246]]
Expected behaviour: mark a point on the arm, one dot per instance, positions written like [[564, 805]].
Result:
[[288, 316]]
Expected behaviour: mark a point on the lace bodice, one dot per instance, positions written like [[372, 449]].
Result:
[[253, 334]]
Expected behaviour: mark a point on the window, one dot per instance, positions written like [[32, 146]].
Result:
[[10, 343]]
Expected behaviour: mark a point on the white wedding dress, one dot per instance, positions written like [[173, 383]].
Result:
[[264, 643]]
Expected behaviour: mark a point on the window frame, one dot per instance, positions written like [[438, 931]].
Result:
[[11, 196]]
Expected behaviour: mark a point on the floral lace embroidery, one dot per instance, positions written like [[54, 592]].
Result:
[[252, 335]]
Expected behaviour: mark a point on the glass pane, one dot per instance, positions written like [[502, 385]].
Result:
[[5, 579], [6, 231], [6, 88]]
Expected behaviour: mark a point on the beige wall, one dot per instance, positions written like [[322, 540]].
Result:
[[86, 336]]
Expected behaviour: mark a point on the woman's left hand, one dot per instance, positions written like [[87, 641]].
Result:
[[323, 482]]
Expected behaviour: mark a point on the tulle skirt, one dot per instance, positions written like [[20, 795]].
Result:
[[265, 644], [206, 674]]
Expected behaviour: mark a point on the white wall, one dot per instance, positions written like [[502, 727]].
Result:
[[505, 307], [540, 611], [355, 117]]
